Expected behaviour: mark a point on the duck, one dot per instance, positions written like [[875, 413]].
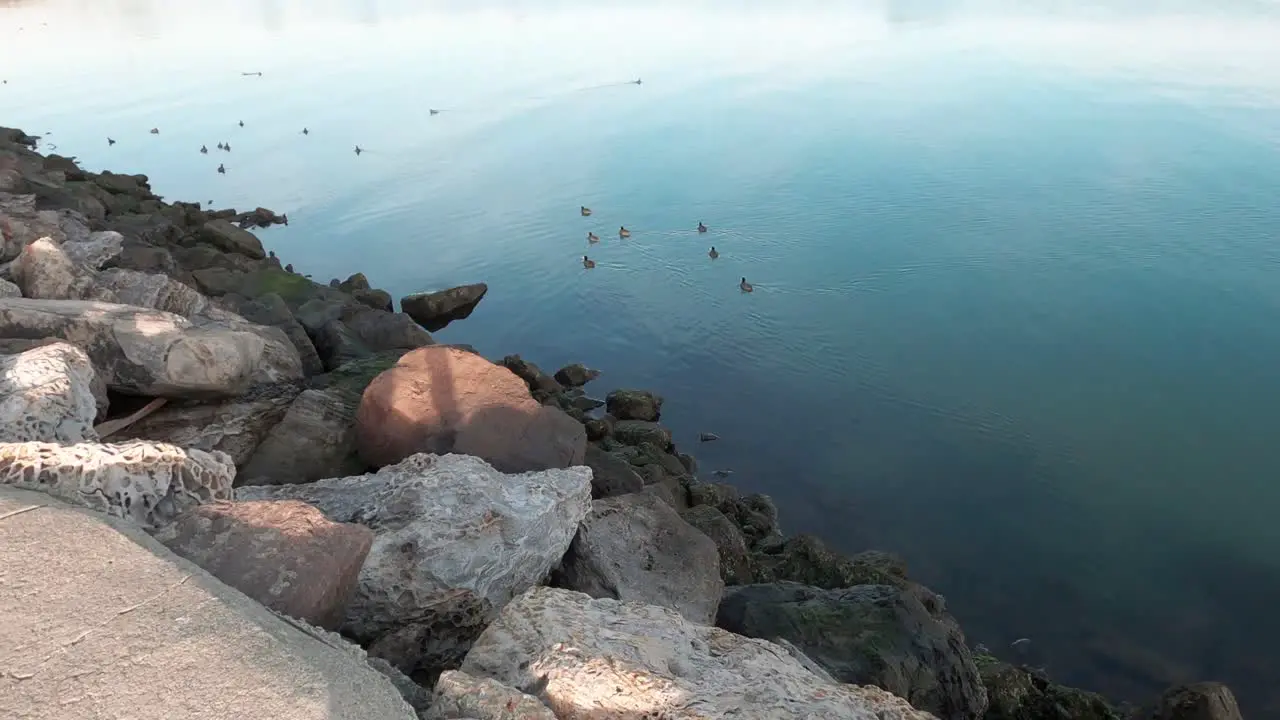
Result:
[[226, 146], [746, 286], [155, 131], [638, 81], [592, 237], [219, 146], [584, 210], [701, 227], [624, 232], [359, 150], [285, 218], [306, 131], [713, 254], [222, 169], [204, 150], [110, 142], [587, 262], [241, 123], [434, 111]]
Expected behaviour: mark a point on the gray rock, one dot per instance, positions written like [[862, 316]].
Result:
[[374, 298], [96, 250], [202, 256], [44, 272], [435, 310], [380, 330], [604, 658], [8, 289], [271, 310], [636, 548], [154, 291], [805, 559], [870, 634], [735, 559], [418, 697], [641, 432], [634, 405], [576, 375], [147, 483], [46, 394], [1016, 693], [337, 344], [316, 439], [1197, 701], [459, 696], [610, 474], [455, 541], [143, 257], [229, 238]]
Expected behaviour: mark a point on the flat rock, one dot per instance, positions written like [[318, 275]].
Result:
[[455, 540], [46, 395], [285, 554], [143, 352], [894, 638], [315, 439], [459, 696], [236, 426], [434, 310], [225, 236], [444, 400], [155, 637], [147, 483], [636, 548], [598, 658]]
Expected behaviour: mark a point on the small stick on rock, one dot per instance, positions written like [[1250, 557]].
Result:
[[111, 427]]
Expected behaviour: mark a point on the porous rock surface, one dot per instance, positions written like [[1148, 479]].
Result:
[[459, 696], [454, 541], [46, 395], [147, 483], [592, 659]]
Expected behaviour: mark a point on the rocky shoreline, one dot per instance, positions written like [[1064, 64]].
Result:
[[498, 542]]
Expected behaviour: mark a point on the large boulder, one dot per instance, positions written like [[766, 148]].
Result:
[[735, 559], [455, 540], [101, 621], [634, 405], [1196, 701], [315, 439], [148, 483], [236, 427], [611, 475], [143, 352], [95, 251], [900, 640], [229, 238], [445, 400], [271, 310], [459, 696], [284, 554], [46, 395], [44, 272], [1015, 693], [805, 559], [636, 548], [434, 310], [598, 658]]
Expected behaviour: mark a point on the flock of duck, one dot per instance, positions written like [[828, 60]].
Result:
[[623, 232]]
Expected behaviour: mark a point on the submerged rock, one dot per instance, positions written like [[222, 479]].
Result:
[[455, 540], [435, 310], [46, 395], [1016, 693], [576, 375]]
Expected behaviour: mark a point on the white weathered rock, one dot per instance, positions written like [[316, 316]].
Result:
[[598, 658], [144, 352], [280, 359], [8, 289], [21, 224], [95, 250], [455, 540], [46, 395], [636, 548], [459, 696], [44, 272], [101, 621], [146, 482]]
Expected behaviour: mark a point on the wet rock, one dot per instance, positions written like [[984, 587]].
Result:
[[629, 660], [285, 554], [229, 238], [455, 540], [735, 559], [1020, 694], [576, 375], [236, 427], [634, 405], [635, 548], [610, 474], [442, 400], [867, 635], [531, 374], [806, 559], [437, 309], [641, 432], [755, 514], [46, 395], [598, 428], [459, 696], [1197, 701], [145, 482]]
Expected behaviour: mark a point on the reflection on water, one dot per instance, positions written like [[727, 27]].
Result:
[[1015, 311]]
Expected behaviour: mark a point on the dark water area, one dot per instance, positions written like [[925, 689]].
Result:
[[1017, 265]]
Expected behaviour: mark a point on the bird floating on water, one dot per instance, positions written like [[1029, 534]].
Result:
[[746, 286], [624, 232], [219, 146], [713, 254], [359, 150], [434, 111], [306, 131], [707, 437], [155, 131], [637, 81], [701, 227], [247, 74], [584, 210], [204, 150], [592, 237], [110, 142], [241, 123], [722, 473], [226, 146], [587, 262], [222, 169]]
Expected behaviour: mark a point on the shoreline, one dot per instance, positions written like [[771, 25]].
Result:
[[302, 414]]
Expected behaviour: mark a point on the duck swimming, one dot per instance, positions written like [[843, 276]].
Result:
[[435, 112], [592, 237], [204, 150], [241, 123], [219, 146], [746, 286], [155, 131], [110, 142], [226, 146], [587, 262], [623, 232], [222, 169], [306, 131], [701, 227], [713, 254], [359, 150], [584, 210]]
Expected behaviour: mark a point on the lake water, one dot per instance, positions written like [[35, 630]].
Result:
[[1017, 265]]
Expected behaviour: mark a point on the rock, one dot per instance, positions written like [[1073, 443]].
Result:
[[598, 428], [8, 289], [316, 439], [284, 554], [576, 375], [754, 514], [437, 309], [640, 432], [236, 427], [531, 374], [145, 352], [229, 238], [637, 549], [455, 540], [157, 292], [1019, 694], [272, 311], [355, 282], [610, 474], [1197, 701], [376, 299], [95, 638], [337, 344], [46, 395], [96, 251], [380, 330], [805, 559], [202, 256], [418, 697], [22, 224], [44, 272], [461, 696], [634, 405], [735, 559], [120, 184], [152, 229], [443, 400], [869, 634], [280, 361], [98, 386], [143, 257], [260, 217], [146, 482], [604, 658]]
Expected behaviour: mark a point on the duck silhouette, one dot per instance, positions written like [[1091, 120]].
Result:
[[241, 123], [713, 254], [359, 150], [593, 238], [222, 169], [110, 142], [585, 211], [624, 232], [587, 262], [226, 146], [204, 150], [155, 131], [306, 131], [746, 286], [701, 227], [219, 146]]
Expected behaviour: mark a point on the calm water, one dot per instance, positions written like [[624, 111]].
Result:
[[1017, 310]]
